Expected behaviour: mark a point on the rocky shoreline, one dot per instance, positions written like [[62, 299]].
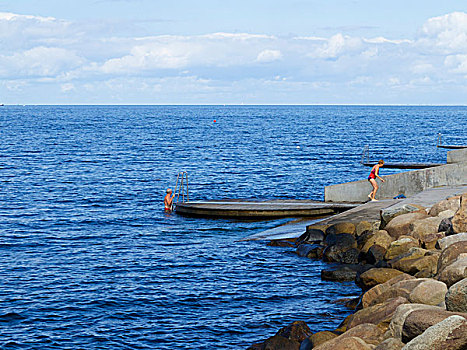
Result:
[[412, 268]]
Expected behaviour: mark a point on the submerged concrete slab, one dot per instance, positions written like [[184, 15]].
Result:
[[260, 209]]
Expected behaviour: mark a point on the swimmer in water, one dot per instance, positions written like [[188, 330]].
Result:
[[168, 200]]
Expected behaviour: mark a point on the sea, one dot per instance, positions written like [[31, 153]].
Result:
[[90, 260]]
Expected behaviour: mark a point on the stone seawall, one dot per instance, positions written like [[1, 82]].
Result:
[[406, 183]]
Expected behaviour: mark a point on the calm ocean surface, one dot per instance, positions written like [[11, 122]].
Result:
[[89, 259]]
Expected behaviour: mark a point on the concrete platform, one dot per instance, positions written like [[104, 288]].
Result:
[[261, 209]]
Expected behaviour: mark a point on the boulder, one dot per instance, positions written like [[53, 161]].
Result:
[[402, 311], [449, 334], [376, 314], [368, 332], [381, 238], [430, 292], [422, 227], [297, 331], [390, 344], [400, 246], [281, 243], [428, 264], [401, 225], [303, 249], [456, 297], [451, 254], [363, 226], [420, 320], [314, 235], [454, 272], [372, 277], [459, 220], [390, 213], [320, 338], [412, 253], [337, 245], [452, 204], [375, 253], [429, 241], [446, 226], [363, 238], [342, 227], [339, 274], [349, 343], [447, 241], [278, 342], [374, 293]]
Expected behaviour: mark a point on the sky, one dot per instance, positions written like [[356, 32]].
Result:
[[233, 52]]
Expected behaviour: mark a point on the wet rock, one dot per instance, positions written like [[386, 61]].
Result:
[[447, 241], [304, 249], [297, 331], [456, 297], [278, 342], [350, 256], [459, 221], [402, 224], [281, 243], [418, 321], [402, 311], [430, 292], [337, 245], [390, 344], [377, 313], [381, 238], [375, 276], [454, 272], [400, 246], [390, 213], [452, 203], [316, 252], [449, 334], [314, 235], [340, 274]]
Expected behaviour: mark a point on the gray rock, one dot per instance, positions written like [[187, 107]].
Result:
[[446, 226], [449, 334], [390, 213], [420, 320], [430, 292], [456, 297], [314, 235], [447, 241], [454, 272], [402, 311]]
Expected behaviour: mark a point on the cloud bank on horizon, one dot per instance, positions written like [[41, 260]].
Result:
[[52, 60]]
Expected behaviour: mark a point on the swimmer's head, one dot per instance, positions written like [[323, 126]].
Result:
[[169, 190]]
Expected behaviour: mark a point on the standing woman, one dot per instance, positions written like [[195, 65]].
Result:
[[372, 178]]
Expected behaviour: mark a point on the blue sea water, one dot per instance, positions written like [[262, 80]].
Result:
[[90, 260]]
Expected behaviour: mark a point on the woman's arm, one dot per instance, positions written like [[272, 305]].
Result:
[[377, 174]]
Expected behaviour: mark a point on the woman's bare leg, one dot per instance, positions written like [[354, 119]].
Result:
[[375, 189]]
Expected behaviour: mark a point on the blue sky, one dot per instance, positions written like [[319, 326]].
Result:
[[232, 52]]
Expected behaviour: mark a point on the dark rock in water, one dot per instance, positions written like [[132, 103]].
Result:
[[446, 226], [316, 252], [317, 339], [350, 256], [278, 342], [297, 331], [312, 251], [352, 304], [303, 249], [338, 245], [340, 274], [375, 254], [314, 235], [281, 243]]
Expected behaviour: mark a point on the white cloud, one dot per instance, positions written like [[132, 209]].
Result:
[[269, 56], [337, 45], [448, 32]]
